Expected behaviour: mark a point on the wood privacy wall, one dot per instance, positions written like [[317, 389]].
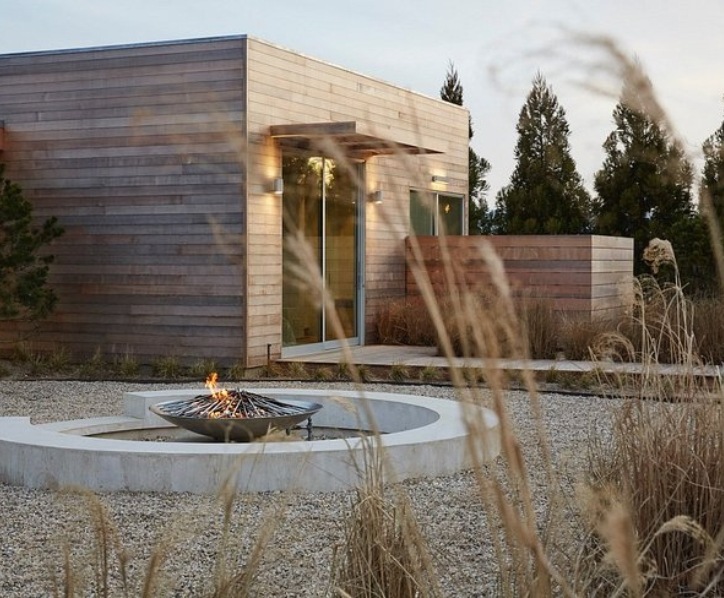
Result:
[[584, 276], [136, 151]]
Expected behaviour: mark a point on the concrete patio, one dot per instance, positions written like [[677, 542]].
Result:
[[389, 355]]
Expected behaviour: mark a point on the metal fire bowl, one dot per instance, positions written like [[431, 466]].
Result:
[[238, 429]]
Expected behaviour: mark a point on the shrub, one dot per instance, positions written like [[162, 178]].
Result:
[[59, 359], [542, 326], [364, 373], [430, 374], [203, 368], [406, 322], [709, 328], [24, 293], [271, 370], [126, 365], [95, 367], [322, 374], [167, 367], [581, 336], [298, 370], [23, 352], [399, 372], [237, 371], [344, 371]]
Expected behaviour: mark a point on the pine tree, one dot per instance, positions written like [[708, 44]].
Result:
[[712, 195], [644, 189], [23, 272], [478, 167], [479, 215], [546, 194], [712, 178]]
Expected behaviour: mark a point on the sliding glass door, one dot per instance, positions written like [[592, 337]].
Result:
[[321, 253]]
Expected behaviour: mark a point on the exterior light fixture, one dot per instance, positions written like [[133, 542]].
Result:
[[278, 186], [436, 178], [376, 197]]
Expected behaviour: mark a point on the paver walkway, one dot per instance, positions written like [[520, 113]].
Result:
[[388, 355]]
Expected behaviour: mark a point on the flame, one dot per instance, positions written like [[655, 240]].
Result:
[[220, 394]]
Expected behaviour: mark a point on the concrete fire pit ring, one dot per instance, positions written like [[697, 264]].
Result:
[[421, 437]]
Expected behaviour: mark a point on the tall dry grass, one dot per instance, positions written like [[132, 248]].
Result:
[[384, 553], [94, 561], [663, 469], [652, 500], [653, 507], [655, 489]]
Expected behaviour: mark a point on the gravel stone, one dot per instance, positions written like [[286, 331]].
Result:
[[36, 525]]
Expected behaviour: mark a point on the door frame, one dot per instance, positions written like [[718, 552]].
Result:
[[327, 345]]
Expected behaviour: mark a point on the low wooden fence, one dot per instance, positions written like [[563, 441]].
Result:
[[582, 275]]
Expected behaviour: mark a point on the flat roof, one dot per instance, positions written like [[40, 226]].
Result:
[[351, 138]]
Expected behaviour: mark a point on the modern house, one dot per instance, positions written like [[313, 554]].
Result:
[[208, 188]]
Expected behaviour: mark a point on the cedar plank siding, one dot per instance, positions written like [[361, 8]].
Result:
[[157, 160], [137, 151], [289, 88], [584, 276]]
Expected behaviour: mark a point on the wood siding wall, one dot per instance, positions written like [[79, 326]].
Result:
[[583, 275], [288, 88], [136, 150], [157, 160]]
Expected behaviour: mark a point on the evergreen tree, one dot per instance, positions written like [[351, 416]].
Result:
[[712, 193], [479, 215], [478, 167], [546, 194], [712, 179], [644, 189], [23, 273]]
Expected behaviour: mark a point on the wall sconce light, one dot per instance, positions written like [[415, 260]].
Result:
[[376, 197], [278, 186], [436, 178]]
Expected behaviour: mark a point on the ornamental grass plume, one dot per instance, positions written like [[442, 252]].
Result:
[[657, 253]]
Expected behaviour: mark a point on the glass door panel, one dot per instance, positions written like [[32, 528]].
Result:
[[302, 221], [450, 214], [320, 209], [340, 243]]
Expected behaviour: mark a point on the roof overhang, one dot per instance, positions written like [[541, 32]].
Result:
[[352, 139]]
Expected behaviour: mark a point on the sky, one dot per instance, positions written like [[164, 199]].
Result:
[[497, 47]]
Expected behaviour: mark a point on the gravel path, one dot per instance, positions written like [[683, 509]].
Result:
[[186, 529]]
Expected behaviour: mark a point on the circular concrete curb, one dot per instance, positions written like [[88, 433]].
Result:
[[421, 436]]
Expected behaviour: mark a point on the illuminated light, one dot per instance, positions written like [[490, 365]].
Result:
[[376, 197]]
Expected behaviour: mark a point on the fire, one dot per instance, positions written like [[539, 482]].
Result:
[[220, 394]]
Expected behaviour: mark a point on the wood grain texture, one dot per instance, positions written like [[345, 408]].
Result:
[[135, 151], [288, 90], [156, 158], [583, 275]]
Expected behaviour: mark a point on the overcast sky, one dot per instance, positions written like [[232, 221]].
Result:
[[497, 47]]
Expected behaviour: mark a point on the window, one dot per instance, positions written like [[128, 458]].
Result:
[[432, 213]]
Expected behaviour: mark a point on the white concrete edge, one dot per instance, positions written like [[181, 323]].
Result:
[[39, 456]]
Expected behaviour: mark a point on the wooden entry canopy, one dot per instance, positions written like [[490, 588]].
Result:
[[352, 139]]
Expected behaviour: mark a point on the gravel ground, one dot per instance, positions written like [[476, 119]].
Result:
[[186, 529]]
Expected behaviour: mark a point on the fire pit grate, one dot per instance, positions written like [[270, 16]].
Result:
[[238, 404], [235, 415]]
